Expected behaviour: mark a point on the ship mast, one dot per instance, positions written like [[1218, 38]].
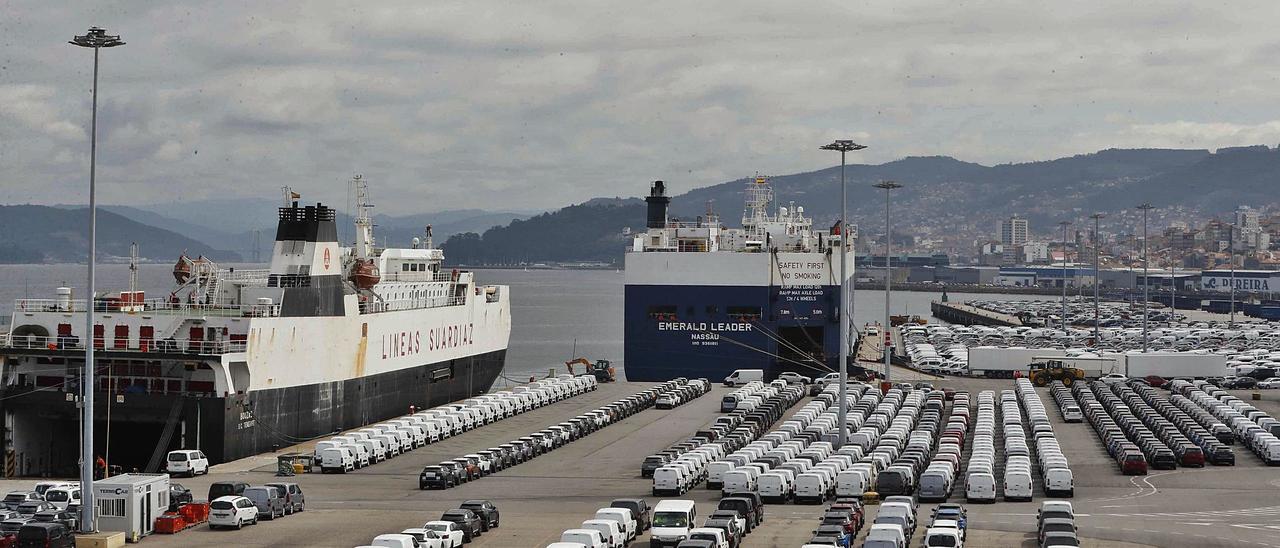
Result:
[[133, 267], [759, 195], [364, 224]]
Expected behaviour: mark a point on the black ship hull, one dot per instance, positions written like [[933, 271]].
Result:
[[129, 427]]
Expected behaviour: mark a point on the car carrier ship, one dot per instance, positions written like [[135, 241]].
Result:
[[238, 362], [702, 300]]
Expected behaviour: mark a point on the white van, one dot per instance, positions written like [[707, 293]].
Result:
[[739, 479], [326, 444], [590, 538], [1017, 485], [624, 519], [980, 487], [890, 532], [1059, 482], [716, 472], [337, 459], [740, 377], [669, 480], [391, 442], [186, 461], [773, 487], [851, 483], [358, 452], [810, 487], [609, 529], [377, 451], [672, 520]]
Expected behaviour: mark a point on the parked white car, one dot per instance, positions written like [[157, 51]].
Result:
[[232, 511], [428, 538], [447, 530]]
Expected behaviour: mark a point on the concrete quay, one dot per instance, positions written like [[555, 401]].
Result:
[[1215, 506]]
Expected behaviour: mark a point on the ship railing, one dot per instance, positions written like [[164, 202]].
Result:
[[687, 224], [417, 277], [371, 307], [110, 344], [252, 276], [148, 306]]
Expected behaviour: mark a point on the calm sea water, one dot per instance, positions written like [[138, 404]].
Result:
[[554, 311]]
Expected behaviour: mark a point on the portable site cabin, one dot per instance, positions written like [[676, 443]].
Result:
[[130, 503]]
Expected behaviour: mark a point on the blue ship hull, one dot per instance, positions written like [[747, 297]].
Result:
[[709, 331]]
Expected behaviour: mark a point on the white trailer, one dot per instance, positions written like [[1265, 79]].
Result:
[[1001, 363], [1173, 364], [1093, 366]]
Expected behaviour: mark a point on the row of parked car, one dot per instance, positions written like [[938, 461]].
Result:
[[473, 466], [916, 468], [1056, 525], [938, 480], [46, 515], [980, 477], [609, 527], [682, 393], [749, 396], [381, 441], [796, 461], [455, 527], [1055, 470], [839, 524], [685, 464], [948, 526], [1254, 428], [1170, 424], [233, 505], [1129, 444]]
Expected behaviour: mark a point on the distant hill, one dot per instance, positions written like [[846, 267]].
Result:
[[33, 233], [941, 194], [394, 230], [579, 232], [940, 187]]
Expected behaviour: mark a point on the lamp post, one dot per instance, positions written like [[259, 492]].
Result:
[[1146, 284], [846, 315], [97, 39], [1231, 251], [888, 186], [1097, 253], [1064, 225]]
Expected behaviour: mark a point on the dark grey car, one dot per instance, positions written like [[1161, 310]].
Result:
[[294, 499], [268, 500]]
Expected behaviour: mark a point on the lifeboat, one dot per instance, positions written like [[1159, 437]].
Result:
[[182, 270], [364, 274]]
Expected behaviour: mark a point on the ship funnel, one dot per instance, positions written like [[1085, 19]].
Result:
[[657, 201]]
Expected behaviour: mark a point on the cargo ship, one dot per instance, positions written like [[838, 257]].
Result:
[[702, 300], [238, 362]]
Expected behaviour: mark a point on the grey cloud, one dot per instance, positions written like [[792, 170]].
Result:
[[536, 104]]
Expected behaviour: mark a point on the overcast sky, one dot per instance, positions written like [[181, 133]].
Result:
[[537, 104]]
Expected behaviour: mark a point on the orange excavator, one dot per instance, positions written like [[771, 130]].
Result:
[[602, 369]]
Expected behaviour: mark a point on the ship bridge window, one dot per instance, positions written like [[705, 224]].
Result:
[[662, 312], [691, 245], [743, 313]]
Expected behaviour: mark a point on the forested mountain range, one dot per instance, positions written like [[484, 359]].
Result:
[[941, 195]]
